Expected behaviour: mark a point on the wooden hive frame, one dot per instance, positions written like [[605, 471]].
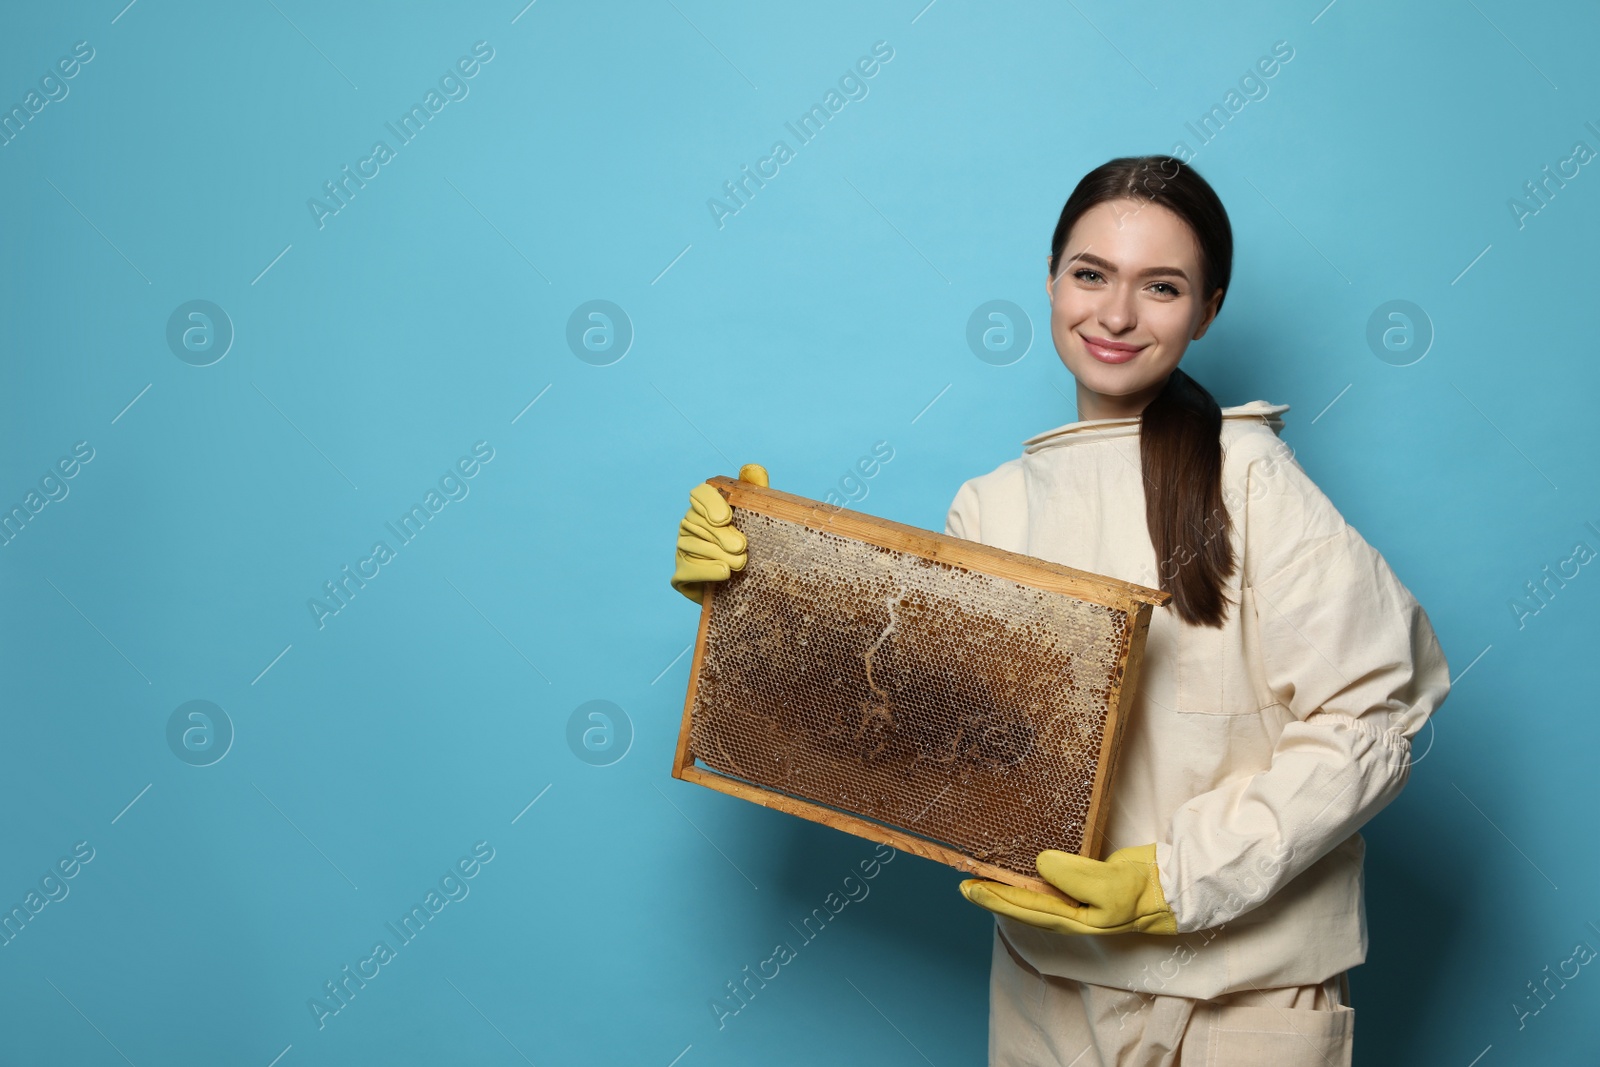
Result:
[[1135, 601]]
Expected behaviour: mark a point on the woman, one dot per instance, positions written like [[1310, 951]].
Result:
[[1282, 684]]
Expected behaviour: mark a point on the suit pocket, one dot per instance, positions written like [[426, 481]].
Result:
[[1270, 1037], [1216, 669], [1199, 662]]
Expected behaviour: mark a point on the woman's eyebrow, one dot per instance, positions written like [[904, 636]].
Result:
[[1111, 268]]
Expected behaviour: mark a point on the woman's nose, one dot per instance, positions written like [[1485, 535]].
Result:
[[1116, 310]]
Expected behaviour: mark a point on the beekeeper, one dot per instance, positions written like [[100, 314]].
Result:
[[1281, 687]]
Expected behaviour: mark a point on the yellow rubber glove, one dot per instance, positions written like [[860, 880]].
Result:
[[1121, 894], [709, 546]]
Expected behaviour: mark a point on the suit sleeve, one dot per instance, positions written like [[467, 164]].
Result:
[[962, 518], [1346, 649]]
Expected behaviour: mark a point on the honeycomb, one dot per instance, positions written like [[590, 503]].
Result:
[[954, 705]]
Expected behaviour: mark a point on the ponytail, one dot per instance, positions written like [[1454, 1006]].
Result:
[[1180, 449]]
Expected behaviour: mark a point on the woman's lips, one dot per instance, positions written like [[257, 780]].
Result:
[[1108, 351]]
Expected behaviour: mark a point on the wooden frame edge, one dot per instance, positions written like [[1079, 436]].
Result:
[[683, 758], [1094, 827], [939, 547]]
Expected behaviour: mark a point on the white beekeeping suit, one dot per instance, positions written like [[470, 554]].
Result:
[[1253, 752]]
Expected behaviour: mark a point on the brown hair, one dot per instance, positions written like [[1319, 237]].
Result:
[[1180, 430]]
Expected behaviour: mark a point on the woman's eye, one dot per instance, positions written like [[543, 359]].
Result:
[[1085, 270], [1171, 290]]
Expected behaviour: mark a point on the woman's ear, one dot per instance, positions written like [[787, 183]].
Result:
[[1212, 307]]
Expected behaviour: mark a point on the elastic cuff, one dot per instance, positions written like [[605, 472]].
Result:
[[1167, 881]]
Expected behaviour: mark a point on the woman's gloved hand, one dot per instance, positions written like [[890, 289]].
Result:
[[709, 546], [1121, 894]]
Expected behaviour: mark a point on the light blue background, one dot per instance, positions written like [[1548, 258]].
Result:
[[827, 315]]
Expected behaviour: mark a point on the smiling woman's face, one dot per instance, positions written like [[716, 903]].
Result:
[[1125, 303]]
